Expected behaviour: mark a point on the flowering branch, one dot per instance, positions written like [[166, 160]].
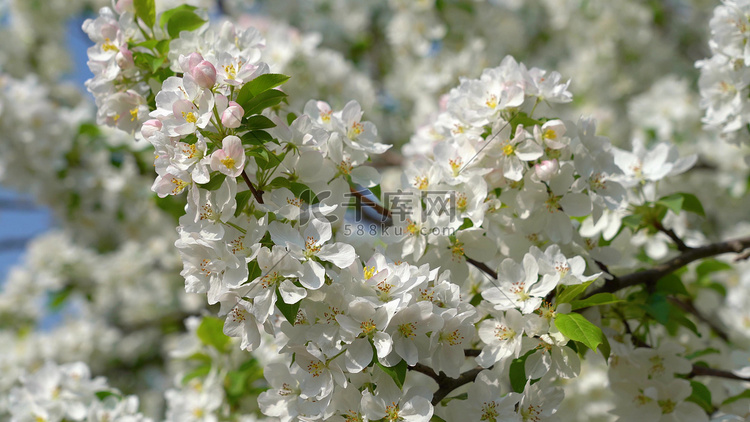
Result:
[[712, 372], [257, 194], [446, 384], [652, 275]]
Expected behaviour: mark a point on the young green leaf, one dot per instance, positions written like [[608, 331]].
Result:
[[289, 311], [397, 372], [701, 396], [576, 327], [211, 333], [146, 10], [263, 101], [215, 182], [164, 18], [595, 300], [183, 20]]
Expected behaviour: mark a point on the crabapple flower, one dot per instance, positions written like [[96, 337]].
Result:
[[502, 337], [230, 159], [520, 286], [313, 245]]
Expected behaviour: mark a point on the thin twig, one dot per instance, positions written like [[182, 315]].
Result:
[[681, 246], [652, 275], [482, 266], [385, 212], [257, 194], [711, 372]]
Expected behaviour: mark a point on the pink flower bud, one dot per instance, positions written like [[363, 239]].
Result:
[[123, 6], [546, 170], [150, 127], [204, 74], [124, 58], [232, 116], [187, 63]]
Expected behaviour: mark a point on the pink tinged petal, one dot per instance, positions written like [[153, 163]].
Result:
[[185, 110]]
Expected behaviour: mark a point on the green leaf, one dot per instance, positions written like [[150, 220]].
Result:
[[211, 333], [376, 190], [256, 137], [280, 182], [101, 395], [259, 122], [709, 266], [699, 353], [303, 192], [577, 327], [673, 202], [146, 10], [595, 300], [701, 396], [164, 18], [150, 44], [215, 182], [692, 204], [242, 199], [517, 373], [289, 311], [263, 101], [682, 201], [253, 270], [258, 86], [676, 319], [522, 118], [183, 20], [671, 284], [57, 298], [634, 221], [290, 118], [198, 372], [658, 307], [743, 395], [397, 372], [157, 62], [570, 293]]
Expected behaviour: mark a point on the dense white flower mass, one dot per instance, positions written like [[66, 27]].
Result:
[[241, 240]]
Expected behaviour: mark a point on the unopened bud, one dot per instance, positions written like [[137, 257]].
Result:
[[123, 6], [546, 170], [232, 116], [204, 74], [187, 63], [150, 127]]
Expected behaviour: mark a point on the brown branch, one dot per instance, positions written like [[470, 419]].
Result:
[[681, 246], [257, 194], [445, 383], [652, 275], [711, 372], [385, 212], [482, 266], [688, 307]]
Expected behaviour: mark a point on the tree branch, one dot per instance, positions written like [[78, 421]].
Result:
[[257, 194], [681, 246], [482, 266], [651, 276], [383, 211], [711, 372]]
